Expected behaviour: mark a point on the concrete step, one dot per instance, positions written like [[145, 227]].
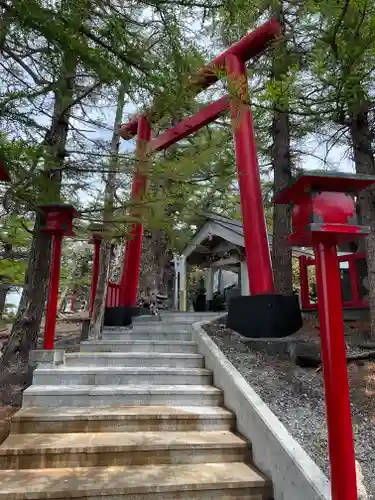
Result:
[[145, 333], [166, 360], [99, 395], [138, 346], [218, 481], [86, 449], [159, 326], [112, 375], [175, 317], [121, 419], [150, 326]]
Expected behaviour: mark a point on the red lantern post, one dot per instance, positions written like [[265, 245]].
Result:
[[324, 216], [72, 301], [58, 222]]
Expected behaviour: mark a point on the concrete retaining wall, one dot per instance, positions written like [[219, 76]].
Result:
[[294, 474]]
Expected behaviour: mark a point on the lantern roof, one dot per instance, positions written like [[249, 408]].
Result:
[[59, 207], [320, 180]]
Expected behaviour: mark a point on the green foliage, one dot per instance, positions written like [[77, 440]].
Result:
[[13, 270], [15, 235]]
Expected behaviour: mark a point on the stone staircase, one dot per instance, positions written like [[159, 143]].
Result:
[[132, 416]]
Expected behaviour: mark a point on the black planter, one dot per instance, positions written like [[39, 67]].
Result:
[[265, 316], [200, 303], [122, 315]]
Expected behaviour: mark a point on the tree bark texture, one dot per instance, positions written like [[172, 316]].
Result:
[[4, 289], [155, 260], [281, 248], [364, 163], [15, 373], [106, 247], [281, 163], [101, 291]]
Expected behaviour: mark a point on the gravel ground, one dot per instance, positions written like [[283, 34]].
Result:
[[295, 395]]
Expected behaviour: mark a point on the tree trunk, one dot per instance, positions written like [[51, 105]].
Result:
[[154, 262], [101, 291], [15, 374], [62, 300], [4, 289], [281, 163], [365, 164], [106, 247], [281, 249]]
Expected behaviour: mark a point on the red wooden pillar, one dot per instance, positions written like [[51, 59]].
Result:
[[53, 291], [58, 220], [95, 271], [304, 282], [72, 301], [258, 256], [339, 420], [133, 251]]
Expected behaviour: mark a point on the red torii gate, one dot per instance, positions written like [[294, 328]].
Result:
[[232, 62]]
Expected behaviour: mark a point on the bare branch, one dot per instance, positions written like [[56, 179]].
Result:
[[26, 67]]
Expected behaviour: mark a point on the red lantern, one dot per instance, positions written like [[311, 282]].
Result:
[[324, 216], [324, 204], [58, 221], [58, 218]]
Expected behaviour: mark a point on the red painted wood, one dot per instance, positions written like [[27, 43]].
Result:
[[304, 282], [53, 291], [357, 302], [133, 251], [339, 422], [72, 301], [258, 256], [113, 294], [190, 124]]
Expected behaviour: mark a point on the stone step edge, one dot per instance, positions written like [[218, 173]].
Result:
[[69, 413], [93, 370], [135, 354], [138, 342], [120, 389], [95, 442], [105, 481]]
